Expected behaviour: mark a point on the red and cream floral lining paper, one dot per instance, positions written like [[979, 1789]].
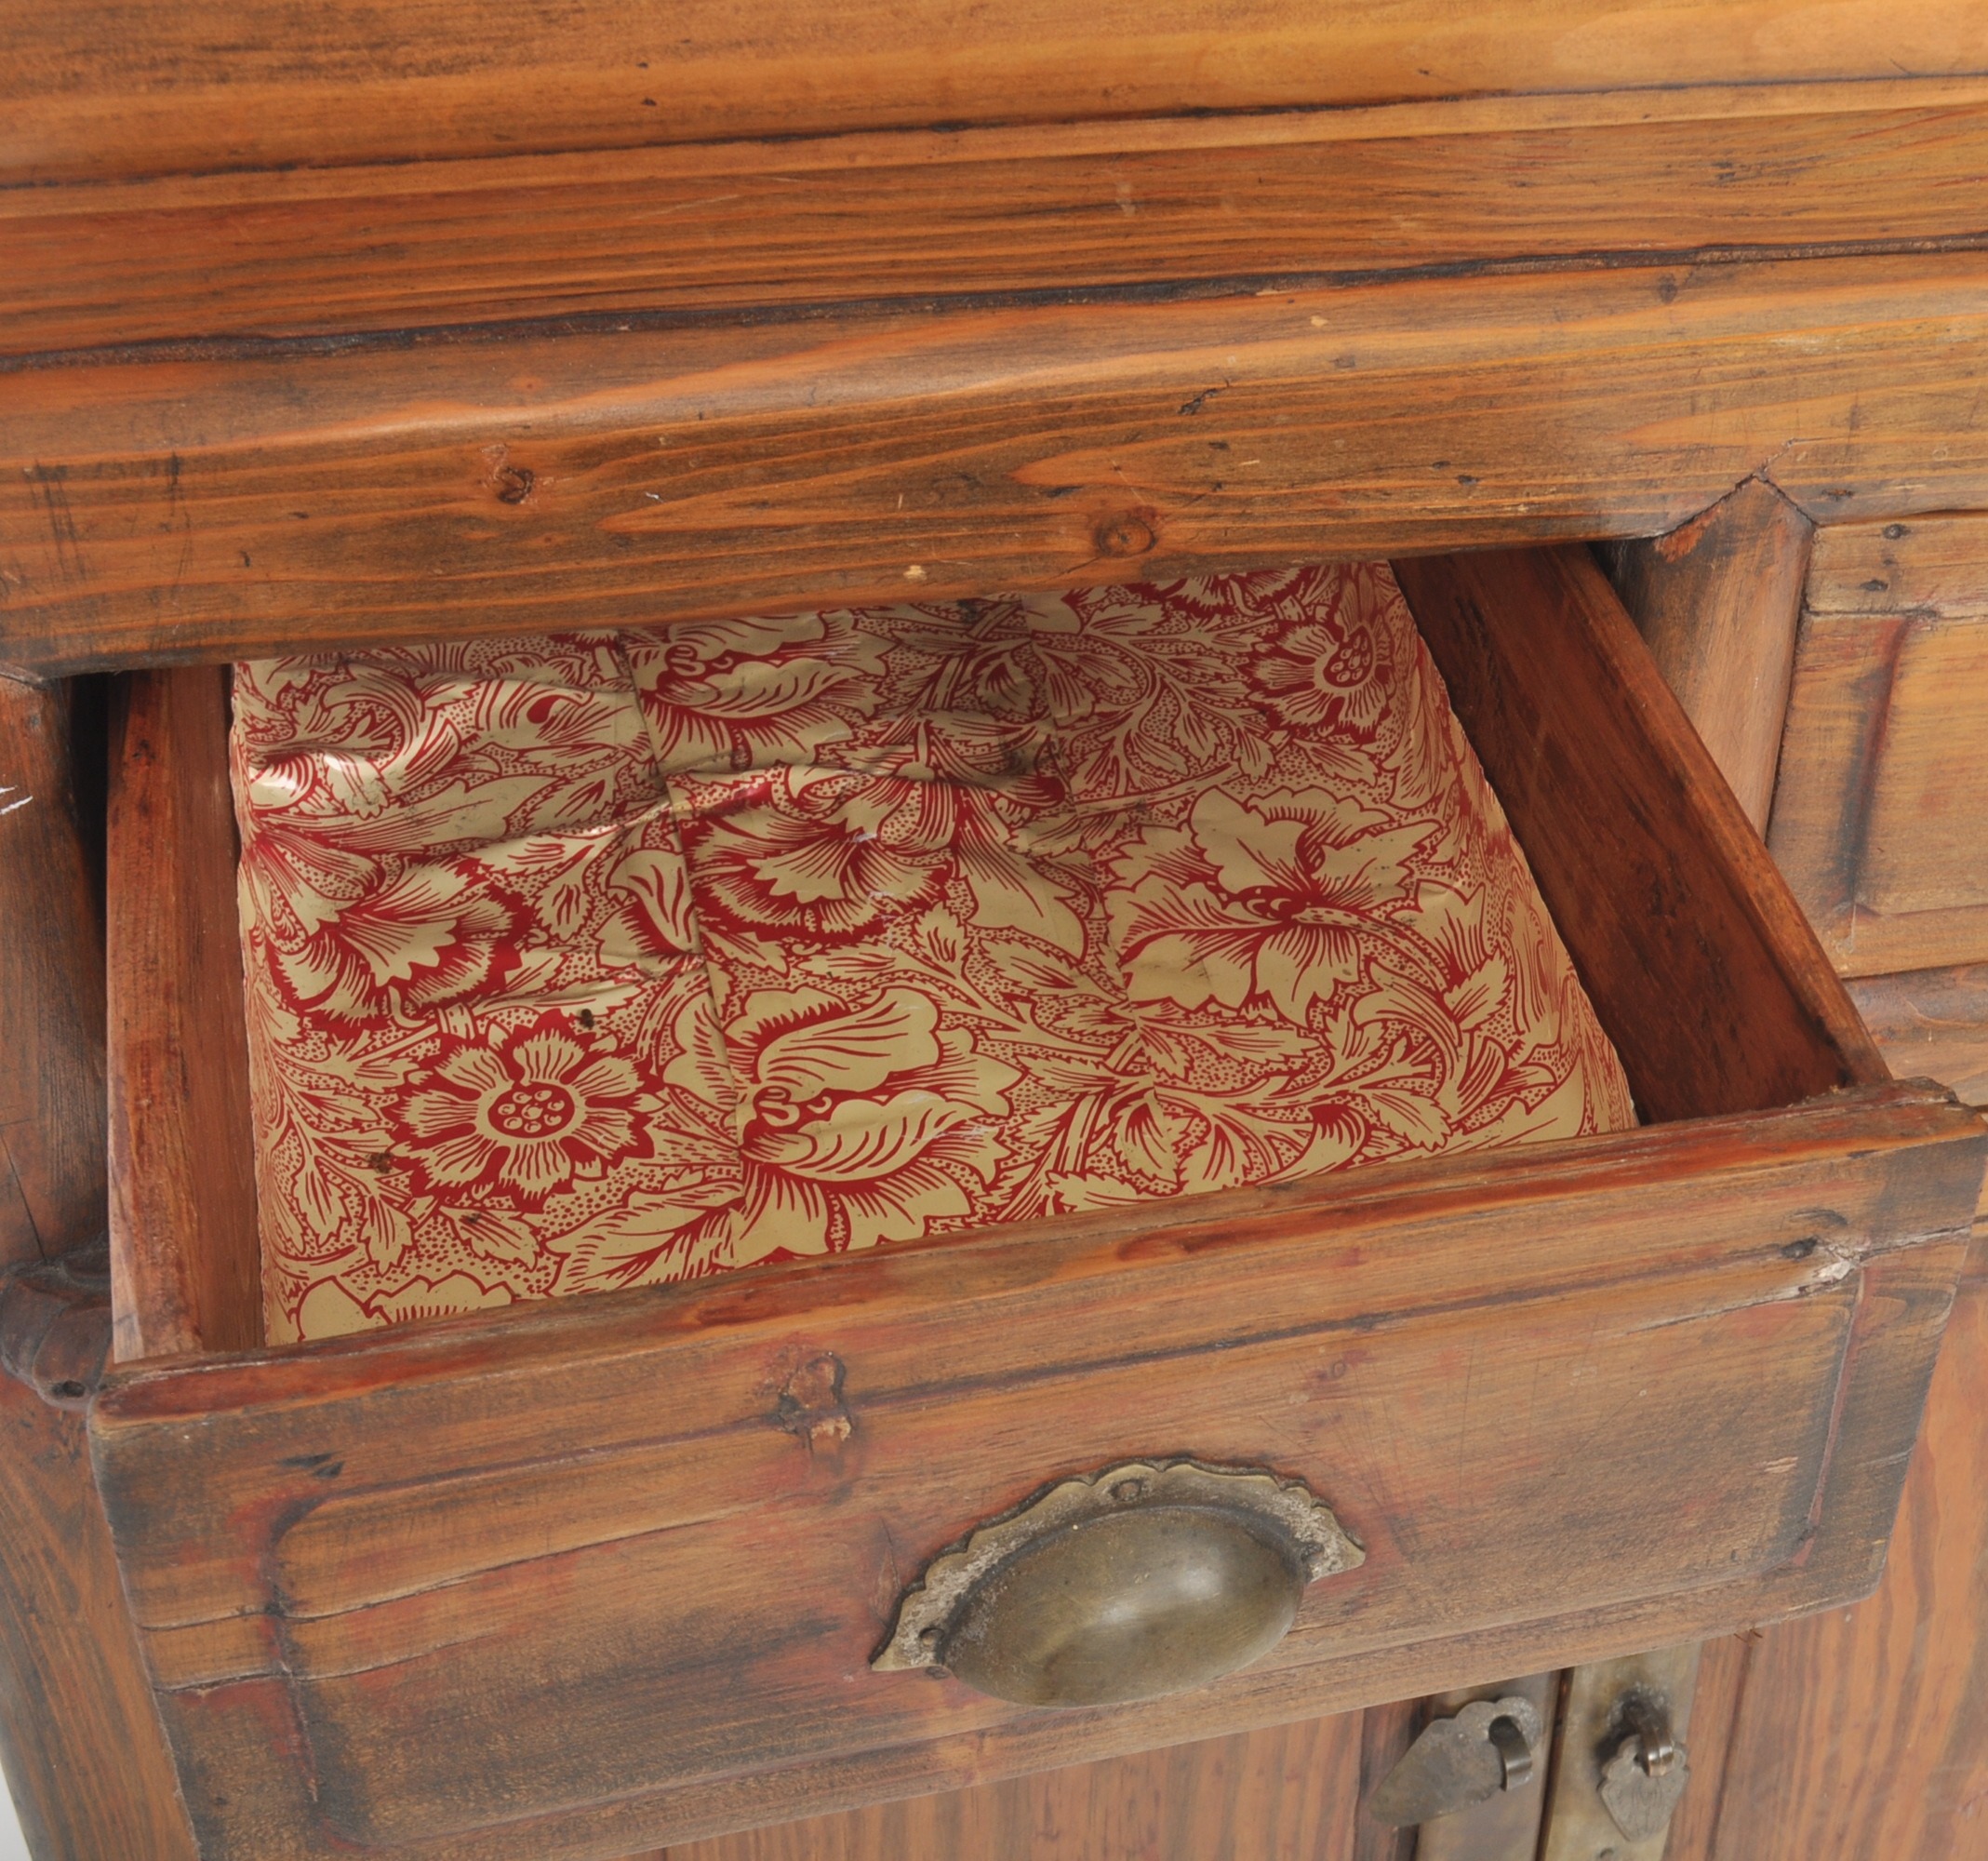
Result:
[[593, 960]]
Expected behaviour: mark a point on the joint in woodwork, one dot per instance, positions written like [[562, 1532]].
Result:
[[55, 1324]]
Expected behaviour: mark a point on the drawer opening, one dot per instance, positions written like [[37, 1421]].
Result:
[[636, 1549], [1278, 860]]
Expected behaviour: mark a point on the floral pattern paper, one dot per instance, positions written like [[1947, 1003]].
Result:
[[591, 960]]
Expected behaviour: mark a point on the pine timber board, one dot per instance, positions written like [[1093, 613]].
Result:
[[1719, 603], [516, 1526], [1932, 1024], [52, 1097], [1286, 1793], [86, 1764], [1863, 1732], [1211, 205], [1654, 878], [83, 1760], [99, 88], [1881, 814], [184, 1270], [208, 509]]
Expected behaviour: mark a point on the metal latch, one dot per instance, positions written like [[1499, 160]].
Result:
[[1622, 1767], [1641, 1783], [1487, 1747]]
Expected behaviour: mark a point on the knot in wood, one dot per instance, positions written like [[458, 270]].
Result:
[[512, 483], [1126, 534], [810, 1406]]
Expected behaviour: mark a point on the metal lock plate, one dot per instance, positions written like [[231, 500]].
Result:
[[1487, 1747], [1623, 1768], [1641, 1783]]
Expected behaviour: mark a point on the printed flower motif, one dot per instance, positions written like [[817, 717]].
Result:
[[811, 867], [328, 1310], [651, 924], [861, 1123], [1271, 900], [524, 1115], [746, 694], [1325, 672], [1021, 662], [598, 959], [429, 936]]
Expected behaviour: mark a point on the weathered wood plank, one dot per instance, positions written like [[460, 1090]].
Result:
[[1217, 204], [1718, 602], [79, 1735], [208, 509], [295, 1488], [1865, 1730], [98, 89], [1932, 1024], [1931, 566], [1288, 1793], [1653, 877], [1881, 814], [185, 1267], [80, 1743], [51, 987]]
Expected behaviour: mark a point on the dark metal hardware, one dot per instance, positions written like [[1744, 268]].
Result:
[[1641, 1783], [1622, 1765], [1485, 1748]]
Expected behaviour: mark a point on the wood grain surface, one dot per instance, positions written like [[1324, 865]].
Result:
[[102, 89], [1718, 603], [1386, 1731], [1286, 1793], [80, 1745], [84, 1761], [1213, 205], [206, 509], [1863, 1732], [1881, 815], [1658, 884], [514, 1526], [185, 1268], [52, 1194], [1932, 1024], [1722, 1670]]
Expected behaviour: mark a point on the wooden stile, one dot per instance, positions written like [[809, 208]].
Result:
[[184, 1263], [1881, 817], [1718, 602], [52, 1098]]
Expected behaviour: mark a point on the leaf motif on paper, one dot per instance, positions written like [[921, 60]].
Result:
[[585, 960]]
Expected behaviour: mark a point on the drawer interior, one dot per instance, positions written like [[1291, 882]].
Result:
[[640, 1546], [188, 1284]]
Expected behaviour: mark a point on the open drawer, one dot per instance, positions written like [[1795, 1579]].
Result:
[[609, 1572]]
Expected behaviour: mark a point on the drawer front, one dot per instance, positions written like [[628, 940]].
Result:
[[1881, 811], [635, 1553]]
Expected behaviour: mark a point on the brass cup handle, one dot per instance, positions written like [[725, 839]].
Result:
[[1140, 1580]]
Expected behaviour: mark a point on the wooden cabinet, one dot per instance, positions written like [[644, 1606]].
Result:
[[319, 339]]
